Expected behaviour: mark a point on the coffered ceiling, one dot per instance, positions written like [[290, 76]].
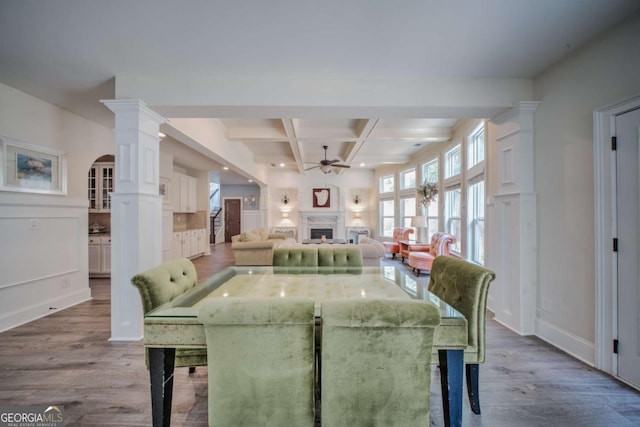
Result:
[[71, 53]]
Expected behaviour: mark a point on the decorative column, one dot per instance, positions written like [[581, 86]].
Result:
[[136, 211], [512, 218]]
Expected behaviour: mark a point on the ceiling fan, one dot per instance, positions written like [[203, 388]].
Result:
[[326, 165]]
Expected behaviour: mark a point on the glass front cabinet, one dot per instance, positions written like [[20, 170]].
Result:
[[101, 179]]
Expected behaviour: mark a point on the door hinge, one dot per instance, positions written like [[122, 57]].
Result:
[[615, 346], [615, 244], [614, 143]]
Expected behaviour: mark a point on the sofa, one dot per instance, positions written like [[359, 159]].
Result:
[[327, 259], [254, 250], [255, 247]]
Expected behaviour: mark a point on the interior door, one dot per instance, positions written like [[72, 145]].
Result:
[[628, 222], [231, 218]]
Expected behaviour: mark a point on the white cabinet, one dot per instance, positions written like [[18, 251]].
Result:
[[203, 241], [105, 256], [99, 255], [100, 184], [94, 255], [183, 194], [167, 233], [188, 244]]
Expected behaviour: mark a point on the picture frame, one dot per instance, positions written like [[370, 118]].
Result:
[[321, 197], [164, 189], [30, 168]]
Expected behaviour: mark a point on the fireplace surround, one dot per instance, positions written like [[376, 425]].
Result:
[[317, 233]]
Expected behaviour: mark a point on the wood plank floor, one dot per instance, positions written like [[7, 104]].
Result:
[[66, 359]]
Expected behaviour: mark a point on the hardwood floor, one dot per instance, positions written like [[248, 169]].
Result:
[[66, 359]]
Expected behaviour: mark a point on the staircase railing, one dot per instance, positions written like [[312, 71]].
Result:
[[215, 224]]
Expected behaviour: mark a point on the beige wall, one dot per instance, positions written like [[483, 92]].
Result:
[[604, 72]]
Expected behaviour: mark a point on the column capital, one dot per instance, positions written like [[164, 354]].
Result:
[[132, 106]]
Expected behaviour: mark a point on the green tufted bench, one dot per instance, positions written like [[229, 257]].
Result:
[[162, 284]]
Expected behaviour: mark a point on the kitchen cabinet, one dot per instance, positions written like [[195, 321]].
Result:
[[183, 194], [100, 185], [99, 256], [203, 241], [187, 244], [167, 233]]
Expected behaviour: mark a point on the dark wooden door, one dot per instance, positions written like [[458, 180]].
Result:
[[231, 218]]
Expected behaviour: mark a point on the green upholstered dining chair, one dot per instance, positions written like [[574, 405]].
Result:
[[162, 284], [376, 362], [261, 361], [465, 286], [295, 260], [336, 259]]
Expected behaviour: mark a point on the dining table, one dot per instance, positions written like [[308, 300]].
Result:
[[175, 324]]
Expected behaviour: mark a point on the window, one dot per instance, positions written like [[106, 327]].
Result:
[[387, 218], [452, 215], [430, 174], [408, 179], [430, 171], [407, 211], [476, 222], [475, 195], [452, 162], [387, 184], [475, 147]]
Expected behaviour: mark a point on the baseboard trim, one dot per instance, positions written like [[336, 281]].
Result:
[[571, 344]]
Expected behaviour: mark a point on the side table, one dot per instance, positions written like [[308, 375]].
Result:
[[407, 246]]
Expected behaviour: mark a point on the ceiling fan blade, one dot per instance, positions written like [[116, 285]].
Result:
[[333, 161], [314, 167], [340, 166]]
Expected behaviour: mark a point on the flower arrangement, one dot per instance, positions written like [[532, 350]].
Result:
[[427, 192]]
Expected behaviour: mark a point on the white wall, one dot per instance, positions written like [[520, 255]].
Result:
[[602, 73], [351, 182], [44, 238]]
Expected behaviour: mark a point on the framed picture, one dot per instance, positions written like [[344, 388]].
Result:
[[163, 190], [32, 169], [321, 197]]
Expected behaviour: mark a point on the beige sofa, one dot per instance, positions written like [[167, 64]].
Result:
[[255, 247]]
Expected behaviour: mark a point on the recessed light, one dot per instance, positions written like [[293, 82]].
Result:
[[281, 165], [361, 165], [250, 180], [162, 135], [225, 168]]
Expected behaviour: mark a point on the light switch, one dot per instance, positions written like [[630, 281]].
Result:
[[35, 224]]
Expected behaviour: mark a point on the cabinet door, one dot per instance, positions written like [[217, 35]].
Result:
[[174, 194], [93, 188], [106, 186], [176, 246], [94, 257], [203, 242], [105, 255], [191, 194], [184, 193], [193, 243]]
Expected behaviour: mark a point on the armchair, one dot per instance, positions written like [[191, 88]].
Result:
[[464, 286], [421, 257], [393, 247]]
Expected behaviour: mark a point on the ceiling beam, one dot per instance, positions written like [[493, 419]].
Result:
[[291, 128]]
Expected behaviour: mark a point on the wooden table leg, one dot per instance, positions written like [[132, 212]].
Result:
[[161, 364], [451, 372]]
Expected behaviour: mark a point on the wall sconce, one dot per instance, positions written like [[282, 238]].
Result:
[[357, 215], [357, 199], [285, 214], [251, 200], [285, 200]]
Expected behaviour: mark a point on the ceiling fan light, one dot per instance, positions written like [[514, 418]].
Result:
[[325, 168]]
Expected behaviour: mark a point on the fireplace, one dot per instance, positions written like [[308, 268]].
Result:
[[317, 233]]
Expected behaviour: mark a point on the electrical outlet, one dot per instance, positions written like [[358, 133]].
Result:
[[546, 304], [65, 282], [34, 224]]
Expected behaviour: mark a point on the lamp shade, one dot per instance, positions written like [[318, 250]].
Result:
[[418, 222]]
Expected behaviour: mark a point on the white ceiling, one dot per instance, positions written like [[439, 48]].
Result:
[[69, 53]]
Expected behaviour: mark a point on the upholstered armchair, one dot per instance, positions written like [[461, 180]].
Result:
[[261, 361], [393, 247], [421, 256], [376, 361], [162, 284], [464, 286]]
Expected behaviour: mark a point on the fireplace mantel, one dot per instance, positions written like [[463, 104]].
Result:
[[315, 219]]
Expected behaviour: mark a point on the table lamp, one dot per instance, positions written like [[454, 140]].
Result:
[[418, 222]]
